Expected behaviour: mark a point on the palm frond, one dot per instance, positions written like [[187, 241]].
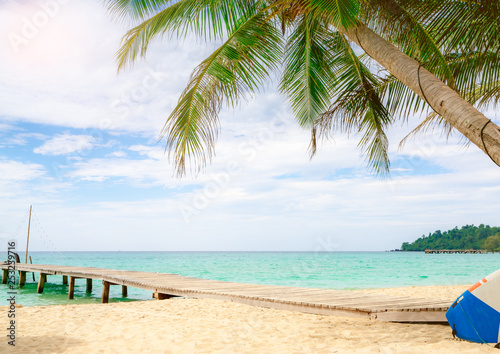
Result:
[[400, 100], [432, 121], [338, 13], [205, 18], [308, 79], [357, 108], [462, 25], [486, 96], [135, 9], [475, 72], [240, 65]]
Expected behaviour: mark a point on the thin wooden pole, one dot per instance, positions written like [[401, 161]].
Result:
[[65, 280], [28, 239], [32, 273], [89, 285], [5, 275], [124, 291]]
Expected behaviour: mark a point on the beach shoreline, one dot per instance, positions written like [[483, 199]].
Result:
[[206, 326]]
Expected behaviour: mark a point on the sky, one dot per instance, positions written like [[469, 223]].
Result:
[[80, 143]]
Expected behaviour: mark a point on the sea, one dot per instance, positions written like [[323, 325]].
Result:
[[328, 270]]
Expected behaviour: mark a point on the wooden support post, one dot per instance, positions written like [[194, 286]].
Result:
[[22, 278], [89, 285], [124, 291], [5, 275], [71, 291], [161, 296], [65, 280], [41, 282], [105, 292]]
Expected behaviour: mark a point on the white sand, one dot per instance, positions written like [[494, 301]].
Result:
[[208, 326]]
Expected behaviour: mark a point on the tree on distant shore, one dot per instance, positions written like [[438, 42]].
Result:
[[492, 243], [438, 54], [467, 237]]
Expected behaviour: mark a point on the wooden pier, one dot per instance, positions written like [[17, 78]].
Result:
[[317, 301], [455, 251]]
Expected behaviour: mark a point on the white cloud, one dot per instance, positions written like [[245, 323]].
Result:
[[21, 139], [148, 171], [119, 153], [153, 152], [18, 171], [66, 144]]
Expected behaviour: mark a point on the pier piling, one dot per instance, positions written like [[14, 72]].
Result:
[[22, 278], [162, 296], [41, 282], [71, 291], [105, 292], [429, 251]]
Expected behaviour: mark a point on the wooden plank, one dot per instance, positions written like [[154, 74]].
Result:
[[374, 303], [71, 290], [105, 292], [407, 307], [42, 278], [408, 316]]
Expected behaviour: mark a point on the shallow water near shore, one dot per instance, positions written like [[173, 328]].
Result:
[[329, 270]]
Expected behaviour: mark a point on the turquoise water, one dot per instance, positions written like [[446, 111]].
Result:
[[332, 270]]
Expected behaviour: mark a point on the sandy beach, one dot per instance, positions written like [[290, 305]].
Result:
[[208, 326]]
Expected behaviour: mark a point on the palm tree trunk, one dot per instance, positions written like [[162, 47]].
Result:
[[445, 101]]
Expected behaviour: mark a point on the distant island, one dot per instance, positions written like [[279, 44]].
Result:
[[468, 237]]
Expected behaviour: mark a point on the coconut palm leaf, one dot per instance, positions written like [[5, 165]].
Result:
[[462, 25], [338, 13], [239, 65], [357, 108], [135, 8], [308, 79], [476, 73], [206, 18], [400, 100], [432, 121]]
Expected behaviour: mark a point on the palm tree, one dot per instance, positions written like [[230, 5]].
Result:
[[418, 54]]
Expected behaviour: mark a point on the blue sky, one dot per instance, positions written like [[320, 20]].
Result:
[[80, 143]]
